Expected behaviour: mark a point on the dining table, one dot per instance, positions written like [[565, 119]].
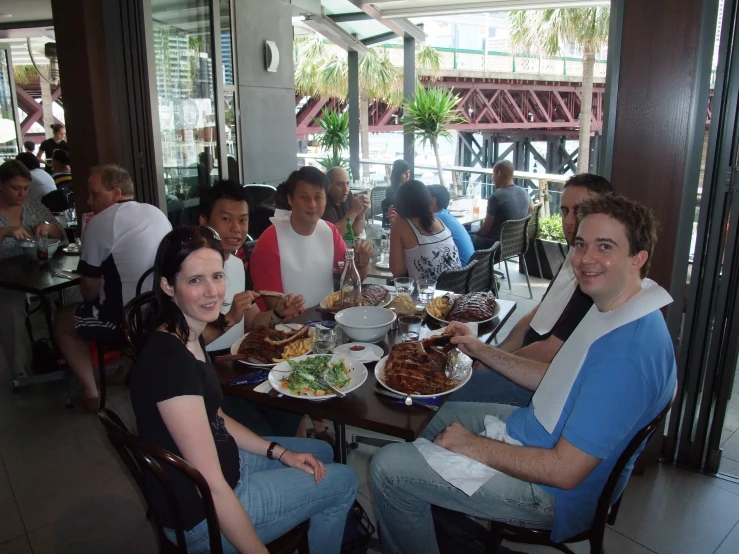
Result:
[[363, 407]]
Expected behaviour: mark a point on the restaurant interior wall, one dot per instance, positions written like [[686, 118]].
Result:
[[266, 99]]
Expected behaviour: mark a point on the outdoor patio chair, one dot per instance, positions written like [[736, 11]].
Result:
[[605, 512], [514, 244], [143, 459], [377, 195], [457, 280], [483, 279]]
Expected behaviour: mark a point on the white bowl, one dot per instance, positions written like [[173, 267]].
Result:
[[365, 323], [29, 248]]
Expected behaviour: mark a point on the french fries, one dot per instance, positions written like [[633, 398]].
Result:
[[439, 307], [333, 299], [294, 349]]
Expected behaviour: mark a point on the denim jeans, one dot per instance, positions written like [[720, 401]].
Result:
[[405, 487], [487, 385], [278, 498]]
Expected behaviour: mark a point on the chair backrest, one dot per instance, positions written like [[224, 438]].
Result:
[[143, 459], [56, 201], [260, 193], [533, 227], [513, 239], [248, 249], [142, 279], [377, 195], [606, 496], [457, 280], [482, 277], [134, 317]]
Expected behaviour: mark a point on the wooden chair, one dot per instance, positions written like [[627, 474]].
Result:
[[143, 459], [482, 278], [457, 280], [513, 244], [605, 511]]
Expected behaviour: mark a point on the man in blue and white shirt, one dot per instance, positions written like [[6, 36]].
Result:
[[118, 246]]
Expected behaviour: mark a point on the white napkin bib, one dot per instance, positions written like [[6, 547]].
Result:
[[556, 300], [551, 395]]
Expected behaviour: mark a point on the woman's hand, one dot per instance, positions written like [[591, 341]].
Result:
[[42, 229], [19, 233], [242, 303], [291, 305], [306, 462]]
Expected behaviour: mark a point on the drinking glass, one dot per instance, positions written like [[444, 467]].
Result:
[[426, 290], [42, 248], [384, 249], [404, 285], [324, 340], [410, 327]]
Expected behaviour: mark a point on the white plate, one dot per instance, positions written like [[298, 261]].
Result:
[[382, 265], [388, 298], [371, 352], [357, 374], [380, 375], [481, 322], [237, 344]]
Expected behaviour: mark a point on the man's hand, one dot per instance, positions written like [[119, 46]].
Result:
[[360, 204], [465, 340], [305, 462], [19, 233], [362, 252], [242, 303], [456, 438], [291, 305]]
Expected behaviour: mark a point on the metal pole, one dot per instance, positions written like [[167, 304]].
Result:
[[353, 63], [409, 88]]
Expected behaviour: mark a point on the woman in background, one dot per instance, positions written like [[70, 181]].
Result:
[[58, 141], [400, 173], [421, 246], [261, 487]]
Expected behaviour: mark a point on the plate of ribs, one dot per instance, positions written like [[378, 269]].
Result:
[[479, 307], [267, 346], [419, 369], [372, 295]]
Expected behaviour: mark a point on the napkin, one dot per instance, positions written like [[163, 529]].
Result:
[[471, 325], [264, 387], [458, 470]]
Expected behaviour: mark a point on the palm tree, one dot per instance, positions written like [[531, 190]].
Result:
[[430, 112], [547, 31], [321, 71], [334, 137]]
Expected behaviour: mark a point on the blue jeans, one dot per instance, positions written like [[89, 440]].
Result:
[[278, 498], [487, 385], [405, 487]]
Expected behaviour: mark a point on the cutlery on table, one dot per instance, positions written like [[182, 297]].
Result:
[[405, 398]]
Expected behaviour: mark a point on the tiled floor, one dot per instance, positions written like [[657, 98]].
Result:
[[63, 491], [730, 435]]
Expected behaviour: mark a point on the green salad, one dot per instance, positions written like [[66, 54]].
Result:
[[307, 374]]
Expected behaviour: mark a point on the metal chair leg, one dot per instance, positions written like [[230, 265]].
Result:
[[507, 275], [538, 260], [526, 272]]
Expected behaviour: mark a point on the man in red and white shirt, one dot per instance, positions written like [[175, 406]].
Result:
[[298, 254]]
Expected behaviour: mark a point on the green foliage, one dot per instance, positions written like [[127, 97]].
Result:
[[334, 136], [430, 112], [550, 228], [27, 74], [547, 31]]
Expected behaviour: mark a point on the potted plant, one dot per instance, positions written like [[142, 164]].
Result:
[[334, 137], [551, 245]]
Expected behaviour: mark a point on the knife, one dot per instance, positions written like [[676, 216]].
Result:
[[421, 403]]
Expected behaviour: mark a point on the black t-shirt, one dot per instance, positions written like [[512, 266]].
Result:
[[167, 369], [336, 212], [48, 146], [574, 312]]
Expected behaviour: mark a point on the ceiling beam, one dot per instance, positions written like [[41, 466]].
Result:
[[349, 17], [401, 27], [377, 39], [330, 30], [478, 7]]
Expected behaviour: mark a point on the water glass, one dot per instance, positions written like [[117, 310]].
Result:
[[324, 339], [426, 290], [384, 249], [42, 248], [410, 327], [404, 285]]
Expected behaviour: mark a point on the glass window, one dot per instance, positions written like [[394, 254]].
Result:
[[230, 98], [8, 129], [183, 57]]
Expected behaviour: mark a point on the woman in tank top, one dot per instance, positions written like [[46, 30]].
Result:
[[421, 246]]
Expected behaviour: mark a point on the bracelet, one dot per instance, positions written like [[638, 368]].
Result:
[[276, 317], [281, 455], [272, 446]]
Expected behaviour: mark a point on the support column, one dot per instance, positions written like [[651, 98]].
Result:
[[409, 88], [353, 66]]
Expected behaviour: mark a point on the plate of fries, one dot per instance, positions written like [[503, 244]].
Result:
[[440, 306], [333, 300], [295, 349]]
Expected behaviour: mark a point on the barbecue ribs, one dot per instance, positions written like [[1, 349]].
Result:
[[372, 295], [257, 349], [475, 306], [418, 367]]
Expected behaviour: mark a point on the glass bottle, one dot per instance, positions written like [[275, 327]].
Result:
[[349, 234], [350, 284]]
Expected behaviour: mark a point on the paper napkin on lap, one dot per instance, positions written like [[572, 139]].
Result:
[[466, 474]]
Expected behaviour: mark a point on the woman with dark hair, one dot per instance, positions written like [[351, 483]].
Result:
[[58, 141], [421, 246], [282, 205], [399, 174], [261, 487]]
